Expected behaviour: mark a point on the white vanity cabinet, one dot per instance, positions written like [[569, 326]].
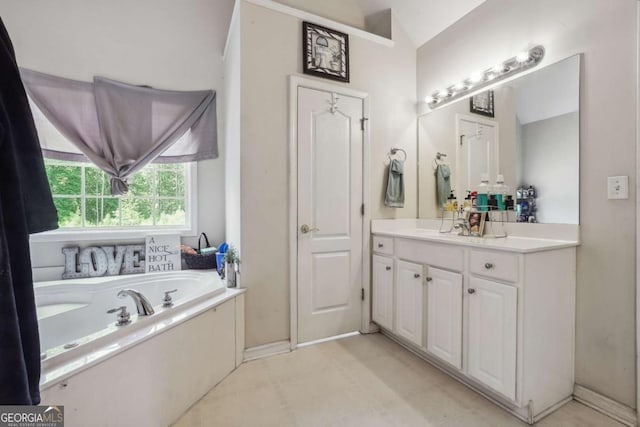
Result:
[[492, 323], [444, 315], [382, 291], [496, 314], [409, 307]]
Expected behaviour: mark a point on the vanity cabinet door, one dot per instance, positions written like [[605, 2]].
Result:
[[409, 307], [444, 315], [382, 291], [492, 334]]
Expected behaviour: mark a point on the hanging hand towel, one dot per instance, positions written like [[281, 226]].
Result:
[[395, 185], [443, 184]]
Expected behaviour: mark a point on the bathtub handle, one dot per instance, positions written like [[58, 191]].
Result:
[[124, 318], [168, 302]]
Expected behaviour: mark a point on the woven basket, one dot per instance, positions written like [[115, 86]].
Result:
[[201, 261]]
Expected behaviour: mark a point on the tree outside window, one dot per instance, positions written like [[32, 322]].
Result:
[[157, 196]]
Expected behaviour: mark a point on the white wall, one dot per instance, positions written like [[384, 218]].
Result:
[[271, 51], [231, 97], [605, 31], [162, 43], [557, 188]]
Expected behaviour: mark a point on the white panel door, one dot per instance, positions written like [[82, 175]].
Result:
[[409, 308], [330, 143], [477, 151], [492, 334], [444, 315], [382, 292]]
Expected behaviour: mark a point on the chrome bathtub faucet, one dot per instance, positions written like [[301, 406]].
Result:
[[142, 304]]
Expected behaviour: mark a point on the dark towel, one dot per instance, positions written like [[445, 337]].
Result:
[[26, 207]]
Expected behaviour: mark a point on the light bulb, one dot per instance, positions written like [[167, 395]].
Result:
[[498, 68], [443, 93], [475, 77], [522, 57], [430, 100], [460, 86]]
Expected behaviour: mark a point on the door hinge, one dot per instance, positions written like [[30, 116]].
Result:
[[362, 294], [362, 121], [362, 210]]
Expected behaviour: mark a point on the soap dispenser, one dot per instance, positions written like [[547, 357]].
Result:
[[451, 204], [466, 205], [483, 193]]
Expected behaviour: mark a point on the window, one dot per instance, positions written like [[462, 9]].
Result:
[[158, 197]]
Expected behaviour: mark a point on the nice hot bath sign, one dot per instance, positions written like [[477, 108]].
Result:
[[160, 253]]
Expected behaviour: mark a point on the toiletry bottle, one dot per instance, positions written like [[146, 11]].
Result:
[[508, 202], [451, 203], [466, 205], [501, 190], [483, 193]]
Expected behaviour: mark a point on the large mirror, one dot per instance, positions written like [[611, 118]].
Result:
[[532, 141]]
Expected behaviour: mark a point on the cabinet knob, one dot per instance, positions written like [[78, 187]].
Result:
[[471, 291], [416, 275], [380, 245], [429, 279], [488, 266], [388, 268]]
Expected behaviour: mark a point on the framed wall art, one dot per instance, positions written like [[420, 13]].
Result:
[[482, 103], [325, 52]]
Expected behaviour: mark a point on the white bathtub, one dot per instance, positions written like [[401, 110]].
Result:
[[74, 312], [81, 344]]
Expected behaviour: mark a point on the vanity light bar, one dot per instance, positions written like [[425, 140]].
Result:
[[519, 63]]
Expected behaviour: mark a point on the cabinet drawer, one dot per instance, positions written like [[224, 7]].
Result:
[[498, 265], [445, 256], [383, 245]]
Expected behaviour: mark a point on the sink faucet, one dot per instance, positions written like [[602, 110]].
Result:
[[142, 304], [463, 225]]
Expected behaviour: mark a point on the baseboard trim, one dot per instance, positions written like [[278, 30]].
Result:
[[607, 406], [266, 350], [333, 338]]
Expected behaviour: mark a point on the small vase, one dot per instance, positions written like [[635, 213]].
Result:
[[230, 274]]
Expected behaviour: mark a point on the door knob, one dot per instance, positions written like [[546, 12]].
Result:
[[306, 229], [388, 268], [488, 266], [416, 275], [429, 279], [471, 291]]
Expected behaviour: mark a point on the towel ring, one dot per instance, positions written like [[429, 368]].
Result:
[[394, 151], [438, 159]]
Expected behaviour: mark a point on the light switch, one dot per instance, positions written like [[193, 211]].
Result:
[[618, 187]]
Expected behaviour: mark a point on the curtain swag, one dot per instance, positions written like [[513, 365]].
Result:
[[120, 127]]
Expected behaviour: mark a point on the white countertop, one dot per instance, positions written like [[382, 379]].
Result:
[[510, 243]]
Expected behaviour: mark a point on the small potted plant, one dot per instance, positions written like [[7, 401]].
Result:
[[231, 266]]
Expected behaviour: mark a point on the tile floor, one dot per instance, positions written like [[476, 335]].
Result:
[[365, 380]]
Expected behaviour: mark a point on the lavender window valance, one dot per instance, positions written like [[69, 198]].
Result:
[[120, 127]]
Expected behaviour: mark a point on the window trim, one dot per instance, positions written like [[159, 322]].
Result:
[[132, 233]]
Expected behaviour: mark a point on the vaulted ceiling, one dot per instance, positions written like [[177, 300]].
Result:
[[422, 19]]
